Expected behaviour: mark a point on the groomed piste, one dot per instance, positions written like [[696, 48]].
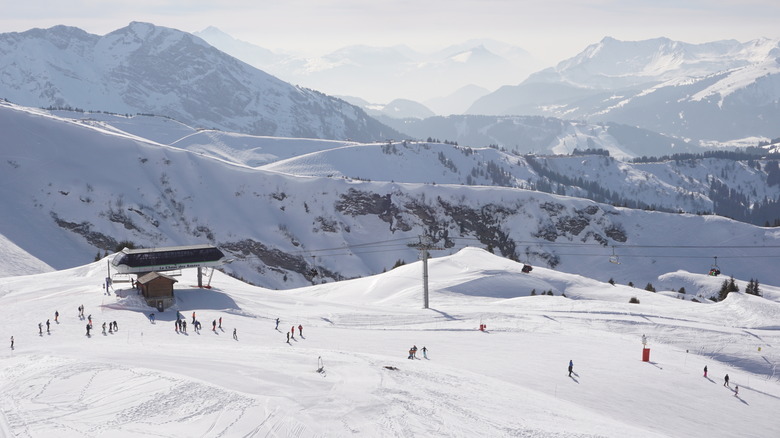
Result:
[[348, 373]]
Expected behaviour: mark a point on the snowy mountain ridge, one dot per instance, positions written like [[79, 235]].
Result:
[[85, 189], [721, 91], [148, 69]]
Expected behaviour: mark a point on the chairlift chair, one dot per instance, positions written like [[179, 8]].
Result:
[[715, 270], [614, 258]]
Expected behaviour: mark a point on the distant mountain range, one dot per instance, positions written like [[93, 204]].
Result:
[[716, 93], [148, 69], [446, 81], [720, 91]]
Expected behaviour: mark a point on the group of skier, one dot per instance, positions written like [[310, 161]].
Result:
[[291, 333], [413, 352]]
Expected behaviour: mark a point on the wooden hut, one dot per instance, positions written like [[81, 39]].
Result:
[[157, 289]]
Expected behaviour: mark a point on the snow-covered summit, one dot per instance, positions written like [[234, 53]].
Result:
[[150, 69]]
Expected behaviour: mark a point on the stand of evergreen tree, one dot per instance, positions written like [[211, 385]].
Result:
[[752, 288], [726, 288]]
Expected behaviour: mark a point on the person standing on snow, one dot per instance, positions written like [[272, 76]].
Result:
[[104, 327], [292, 330], [300, 330], [56, 316], [214, 325], [220, 323], [414, 352], [235, 336], [571, 367], [726, 381], [277, 324], [12, 342], [47, 327], [425, 352], [288, 337], [736, 391], [193, 317], [705, 370], [40, 329], [89, 327]]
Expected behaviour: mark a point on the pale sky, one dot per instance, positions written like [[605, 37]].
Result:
[[550, 30]]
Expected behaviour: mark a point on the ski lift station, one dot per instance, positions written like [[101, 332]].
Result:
[[145, 261]]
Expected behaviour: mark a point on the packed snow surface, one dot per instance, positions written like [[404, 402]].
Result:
[[348, 373]]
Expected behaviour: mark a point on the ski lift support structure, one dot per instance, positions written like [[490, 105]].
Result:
[[424, 245]]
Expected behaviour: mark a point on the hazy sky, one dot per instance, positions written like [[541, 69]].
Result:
[[551, 30]]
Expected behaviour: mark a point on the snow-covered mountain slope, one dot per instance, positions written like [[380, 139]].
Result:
[[511, 380], [71, 190], [729, 187], [147, 69], [16, 261], [542, 135], [720, 91]]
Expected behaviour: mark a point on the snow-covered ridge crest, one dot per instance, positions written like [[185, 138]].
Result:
[[150, 69], [86, 188], [722, 90]]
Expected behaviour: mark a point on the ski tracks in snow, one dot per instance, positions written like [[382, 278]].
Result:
[[40, 401]]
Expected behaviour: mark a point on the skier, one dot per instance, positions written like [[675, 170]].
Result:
[[571, 367], [12, 342], [288, 337], [151, 318], [300, 330], [705, 370], [411, 354], [193, 317], [184, 326], [176, 324], [110, 328], [235, 336], [56, 316], [89, 318], [414, 352], [214, 325], [726, 381], [104, 327], [292, 330], [736, 391], [220, 323], [89, 327], [277, 323], [40, 329], [116, 327], [425, 352], [48, 324]]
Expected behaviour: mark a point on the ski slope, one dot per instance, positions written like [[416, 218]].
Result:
[[511, 380]]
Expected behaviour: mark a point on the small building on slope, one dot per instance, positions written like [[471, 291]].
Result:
[[157, 289]]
